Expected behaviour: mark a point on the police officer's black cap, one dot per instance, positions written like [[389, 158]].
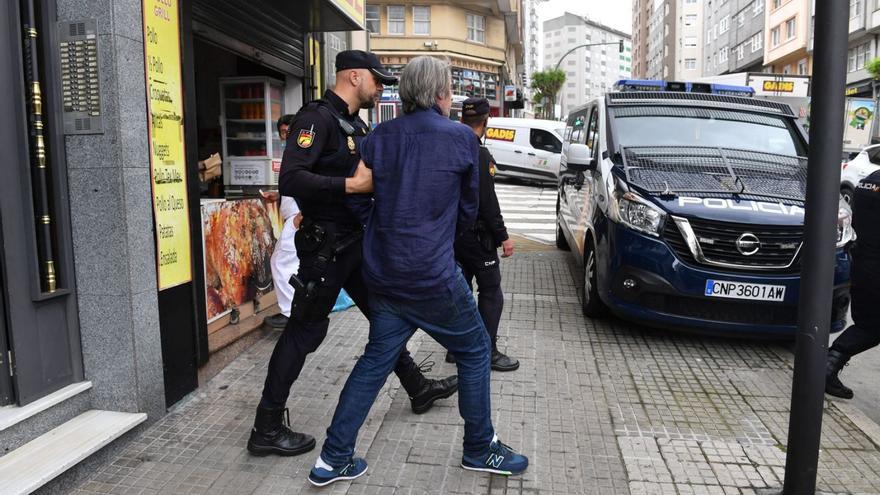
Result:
[[475, 106], [358, 59]]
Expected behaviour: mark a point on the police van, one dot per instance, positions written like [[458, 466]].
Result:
[[684, 205]]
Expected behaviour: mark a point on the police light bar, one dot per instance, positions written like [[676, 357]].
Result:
[[682, 87]]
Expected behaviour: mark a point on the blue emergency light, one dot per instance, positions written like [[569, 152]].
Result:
[[682, 87]]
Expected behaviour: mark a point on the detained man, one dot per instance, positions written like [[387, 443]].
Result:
[[425, 176]]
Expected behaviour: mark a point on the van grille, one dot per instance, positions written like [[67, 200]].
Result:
[[780, 245]]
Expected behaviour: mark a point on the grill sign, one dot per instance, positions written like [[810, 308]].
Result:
[[500, 134], [779, 86]]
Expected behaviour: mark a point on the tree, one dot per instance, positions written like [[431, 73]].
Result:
[[547, 84], [873, 68]]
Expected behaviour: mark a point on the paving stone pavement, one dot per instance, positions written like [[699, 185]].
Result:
[[600, 406]]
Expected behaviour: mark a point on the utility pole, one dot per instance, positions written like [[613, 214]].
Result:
[[620, 50], [823, 179]]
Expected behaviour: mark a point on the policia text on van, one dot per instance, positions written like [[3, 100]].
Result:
[[684, 204]]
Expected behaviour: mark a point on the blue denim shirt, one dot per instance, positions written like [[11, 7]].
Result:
[[426, 190]]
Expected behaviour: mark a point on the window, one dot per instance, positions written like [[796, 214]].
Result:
[[723, 24], [690, 63], [802, 68], [593, 131], [774, 36], [723, 55], [372, 18], [476, 28], [421, 20], [758, 7], [776, 4], [741, 52], [791, 28], [396, 19], [855, 8], [859, 56], [690, 19], [708, 36], [757, 42], [690, 41], [543, 140], [741, 19]]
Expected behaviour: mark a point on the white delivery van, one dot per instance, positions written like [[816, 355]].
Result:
[[526, 148]]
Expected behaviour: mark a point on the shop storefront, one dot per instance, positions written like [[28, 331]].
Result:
[[135, 248]]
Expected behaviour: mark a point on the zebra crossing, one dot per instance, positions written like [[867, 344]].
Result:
[[529, 211]]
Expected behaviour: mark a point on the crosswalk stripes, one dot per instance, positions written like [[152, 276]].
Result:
[[529, 211]]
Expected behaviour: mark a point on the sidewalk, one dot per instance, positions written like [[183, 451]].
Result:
[[600, 407]]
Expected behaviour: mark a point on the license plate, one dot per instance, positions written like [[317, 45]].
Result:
[[740, 290]]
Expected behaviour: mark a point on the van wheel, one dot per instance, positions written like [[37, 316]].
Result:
[[592, 305], [847, 194]]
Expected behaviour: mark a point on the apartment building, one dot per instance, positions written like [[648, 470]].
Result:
[[864, 29], [641, 18], [662, 40], [589, 71], [786, 37], [689, 29], [734, 36], [481, 38]]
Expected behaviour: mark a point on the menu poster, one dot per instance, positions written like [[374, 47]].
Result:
[[167, 157]]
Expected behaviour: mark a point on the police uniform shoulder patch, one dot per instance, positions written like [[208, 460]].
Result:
[[351, 145], [306, 137], [492, 169]]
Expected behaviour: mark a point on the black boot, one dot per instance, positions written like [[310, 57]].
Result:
[[503, 362], [423, 392], [271, 436], [833, 386]]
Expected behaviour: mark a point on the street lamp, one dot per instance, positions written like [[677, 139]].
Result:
[[620, 50]]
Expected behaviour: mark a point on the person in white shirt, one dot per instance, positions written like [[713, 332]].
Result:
[[285, 262]]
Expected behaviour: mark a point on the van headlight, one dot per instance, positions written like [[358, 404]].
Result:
[[845, 232], [639, 214]]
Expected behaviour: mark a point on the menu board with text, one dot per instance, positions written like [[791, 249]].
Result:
[[167, 157]]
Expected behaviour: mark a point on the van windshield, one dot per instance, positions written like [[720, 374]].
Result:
[[705, 128]]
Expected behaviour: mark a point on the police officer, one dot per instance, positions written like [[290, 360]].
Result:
[[317, 170], [865, 291], [476, 249]]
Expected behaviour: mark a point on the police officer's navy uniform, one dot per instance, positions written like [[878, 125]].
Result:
[[322, 150], [865, 290], [476, 250]]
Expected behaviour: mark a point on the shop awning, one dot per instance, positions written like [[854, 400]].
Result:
[[324, 15]]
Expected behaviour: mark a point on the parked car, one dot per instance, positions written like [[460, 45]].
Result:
[[685, 209], [525, 148], [857, 168]]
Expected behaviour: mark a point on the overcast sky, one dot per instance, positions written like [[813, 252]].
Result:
[[614, 13]]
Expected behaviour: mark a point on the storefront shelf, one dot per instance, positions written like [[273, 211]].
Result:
[[250, 100], [247, 121], [259, 140]]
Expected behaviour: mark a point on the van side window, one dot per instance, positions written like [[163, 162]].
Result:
[[578, 121], [593, 130], [543, 140]]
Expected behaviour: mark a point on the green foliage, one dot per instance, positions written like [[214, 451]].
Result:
[[547, 84], [873, 67]]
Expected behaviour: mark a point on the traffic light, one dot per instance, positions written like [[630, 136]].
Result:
[[621, 47]]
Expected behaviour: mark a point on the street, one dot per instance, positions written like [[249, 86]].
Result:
[[600, 406]]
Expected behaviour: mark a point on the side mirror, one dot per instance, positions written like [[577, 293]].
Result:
[[579, 158]]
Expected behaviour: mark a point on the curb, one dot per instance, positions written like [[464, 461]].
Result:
[[860, 419]]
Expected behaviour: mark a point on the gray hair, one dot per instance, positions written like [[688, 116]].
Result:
[[422, 81]]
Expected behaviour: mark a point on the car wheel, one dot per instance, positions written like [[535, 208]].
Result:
[[591, 304], [847, 194]]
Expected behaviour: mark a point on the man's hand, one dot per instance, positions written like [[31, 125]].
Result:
[[270, 196], [361, 182], [507, 249], [297, 220]]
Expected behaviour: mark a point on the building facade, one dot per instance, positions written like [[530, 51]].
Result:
[[734, 33], [532, 50], [689, 29], [589, 71], [662, 40], [864, 28], [641, 19], [482, 40], [786, 37], [114, 306]]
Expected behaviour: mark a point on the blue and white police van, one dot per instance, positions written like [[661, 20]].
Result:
[[683, 204]]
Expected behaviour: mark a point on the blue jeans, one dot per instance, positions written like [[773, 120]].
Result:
[[454, 322]]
